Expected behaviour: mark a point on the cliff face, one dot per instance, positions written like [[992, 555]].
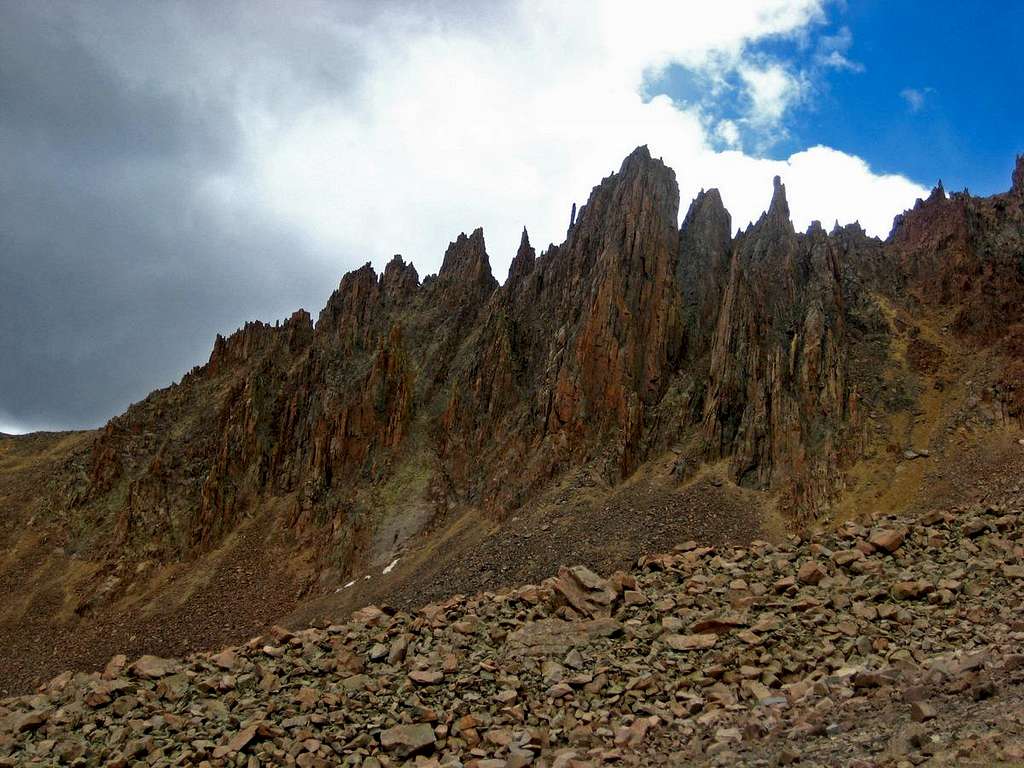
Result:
[[484, 393], [574, 347], [705, 251], [965, 252], [622, 320], [778, 391]]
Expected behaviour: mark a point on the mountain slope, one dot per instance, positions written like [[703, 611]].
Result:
[[638, 375], [896, 643]]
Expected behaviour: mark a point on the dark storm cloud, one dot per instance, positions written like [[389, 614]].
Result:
[[128, 237], [116, 270]]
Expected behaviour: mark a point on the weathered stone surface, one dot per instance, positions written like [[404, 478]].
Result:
[[556, 637], [886, 539], [152, 667], [777, 363], [690, 642], [811, 572], [921, 711], [426, 676], [405, 740], [833, 672], [236, 743]]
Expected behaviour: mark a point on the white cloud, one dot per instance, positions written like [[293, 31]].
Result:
[[729, 133], [832, 50], [828, 185], [772, 90], [447, 119], [836, 60], [915, 97]]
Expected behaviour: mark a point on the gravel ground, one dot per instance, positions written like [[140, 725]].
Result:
[[897, 644]]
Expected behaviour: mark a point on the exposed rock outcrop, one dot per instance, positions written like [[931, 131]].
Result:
[[630, 336], [625, 246], [778, 391], [705, 250]]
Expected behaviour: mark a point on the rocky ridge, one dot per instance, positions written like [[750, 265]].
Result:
[[631, 336], [890, 645], [794, 375]]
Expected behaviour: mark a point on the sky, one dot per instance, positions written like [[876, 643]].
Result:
[[171, 170]]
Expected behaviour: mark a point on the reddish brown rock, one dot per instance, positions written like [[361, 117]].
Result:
[[886, 539], [412, 403], [690, 642], [405, 740], [426, 676], [811, 572], [777, 365], [920, 711], [153, 667]]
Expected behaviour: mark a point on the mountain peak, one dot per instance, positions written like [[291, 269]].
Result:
[[779, 208], [638, 157], [642, 184], [466, 263], [399, 278], [1018, 175], [707, 215], [523, 262]]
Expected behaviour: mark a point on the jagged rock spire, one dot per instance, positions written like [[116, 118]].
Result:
[[638, 158], [399, 280], [779, 208], [708, 211], [466, 262], [706, 233], [614, 284], [705, 248], [1018, 176], [938, 193], [522, 264], [524, 241]]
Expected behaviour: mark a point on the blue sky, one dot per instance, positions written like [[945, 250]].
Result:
[[930, 89]]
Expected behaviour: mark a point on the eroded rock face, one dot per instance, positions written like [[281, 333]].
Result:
[[618, 361], [575, 346], [630, 336], [778, 372], [966, 252], [705, 250]]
